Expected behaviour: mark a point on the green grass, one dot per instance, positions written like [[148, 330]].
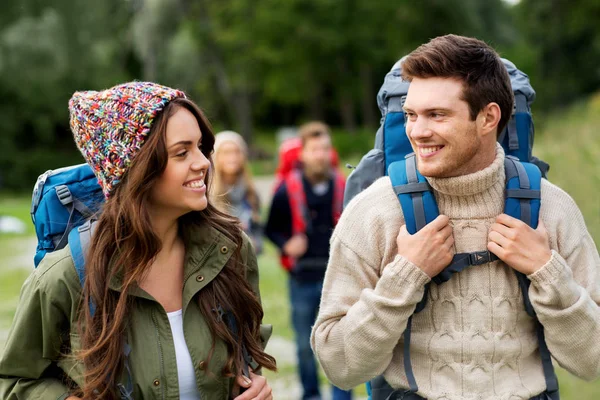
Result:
[[570, 143]]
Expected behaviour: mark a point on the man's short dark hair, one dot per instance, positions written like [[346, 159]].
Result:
[[473, 62], [313, 129]]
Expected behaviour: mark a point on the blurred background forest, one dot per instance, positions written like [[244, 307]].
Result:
[[257, 65]]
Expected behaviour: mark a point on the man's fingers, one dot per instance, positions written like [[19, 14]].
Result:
[[446, 231], [509, 221], [496, 249], [541, 227], [439, 223], [499, 239], [403, 230], [449, 243], [503, 230]]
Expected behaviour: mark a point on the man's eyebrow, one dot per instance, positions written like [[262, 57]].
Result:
[[427, 110]]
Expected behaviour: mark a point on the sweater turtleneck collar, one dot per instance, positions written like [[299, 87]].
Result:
[[476, 195]]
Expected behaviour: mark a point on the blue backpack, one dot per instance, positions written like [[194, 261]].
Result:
[[62, 200], [393, 156]]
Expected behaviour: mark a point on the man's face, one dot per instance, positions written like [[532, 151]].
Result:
[[438, 124], [316, 156]]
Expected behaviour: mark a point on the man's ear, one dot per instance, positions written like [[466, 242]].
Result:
[[488, 118]]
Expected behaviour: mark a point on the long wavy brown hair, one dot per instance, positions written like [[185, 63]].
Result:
[[125, 244]]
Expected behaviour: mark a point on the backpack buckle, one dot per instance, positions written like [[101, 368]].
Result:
[[64, 194], [480, 257]]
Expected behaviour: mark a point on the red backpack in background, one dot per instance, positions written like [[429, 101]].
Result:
[[289, 171]]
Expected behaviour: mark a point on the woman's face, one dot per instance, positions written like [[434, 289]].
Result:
[[230, 159], [181, 188]]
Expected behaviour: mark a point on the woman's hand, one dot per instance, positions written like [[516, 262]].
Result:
[[256, 388]]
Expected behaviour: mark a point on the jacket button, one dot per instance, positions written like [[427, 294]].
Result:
[[202, 365], [156, 382], [199, 278], [224, 250]]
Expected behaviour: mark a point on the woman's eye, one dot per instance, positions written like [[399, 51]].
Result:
[[182, 154]]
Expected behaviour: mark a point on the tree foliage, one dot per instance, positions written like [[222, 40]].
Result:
[[259, 64]]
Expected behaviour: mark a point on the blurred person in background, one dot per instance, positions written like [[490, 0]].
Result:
[[305, 208], [234, 190], [165, 273]]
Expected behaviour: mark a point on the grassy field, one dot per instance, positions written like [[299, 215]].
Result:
[[569, 142]]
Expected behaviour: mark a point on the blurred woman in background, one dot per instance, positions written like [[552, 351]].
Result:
[[234, 190]]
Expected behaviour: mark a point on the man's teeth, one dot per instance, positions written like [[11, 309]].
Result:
[[429, 150], [195, 184]]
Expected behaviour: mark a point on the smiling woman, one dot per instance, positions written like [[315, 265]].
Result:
[[170, 305]]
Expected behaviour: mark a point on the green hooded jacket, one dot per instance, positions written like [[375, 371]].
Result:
[[34, 366]]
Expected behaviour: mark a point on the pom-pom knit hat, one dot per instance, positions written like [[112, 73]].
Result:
[[110, 126]]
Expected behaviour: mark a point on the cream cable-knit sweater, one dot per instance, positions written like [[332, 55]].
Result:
[[474, 339]]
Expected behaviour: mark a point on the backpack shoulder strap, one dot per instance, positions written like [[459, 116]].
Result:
[[419, 208], [523, 184], [339, 184], [79, 243], [523, 200], [297, 200], [414, 193]]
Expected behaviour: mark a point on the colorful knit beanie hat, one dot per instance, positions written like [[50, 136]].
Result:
[[110, 127]]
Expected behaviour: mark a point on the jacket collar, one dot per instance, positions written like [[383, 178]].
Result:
[[207, 250]]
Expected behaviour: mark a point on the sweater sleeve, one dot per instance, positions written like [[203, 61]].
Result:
[[565, 292], [368, 295]]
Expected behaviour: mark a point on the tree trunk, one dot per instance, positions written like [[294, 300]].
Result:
[[346, 102], [368, 98], [316, 100]]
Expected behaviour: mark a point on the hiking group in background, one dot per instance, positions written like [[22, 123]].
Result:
[[306, 206]]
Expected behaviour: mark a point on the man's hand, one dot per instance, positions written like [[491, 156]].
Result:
[[256, 387], [518, 245], [431, 248], [296, 246]]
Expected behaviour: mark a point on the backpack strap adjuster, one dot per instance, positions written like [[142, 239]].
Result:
[[481, 257], [64, 194]]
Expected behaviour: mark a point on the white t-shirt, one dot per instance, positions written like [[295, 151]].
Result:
[[185, 367]]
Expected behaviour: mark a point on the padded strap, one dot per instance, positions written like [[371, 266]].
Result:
[[414, 193], [520, 107], [72, 204]]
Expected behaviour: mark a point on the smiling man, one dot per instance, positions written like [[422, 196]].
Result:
[[473, 339]]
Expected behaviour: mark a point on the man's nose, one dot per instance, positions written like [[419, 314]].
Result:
[[419, 128]]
